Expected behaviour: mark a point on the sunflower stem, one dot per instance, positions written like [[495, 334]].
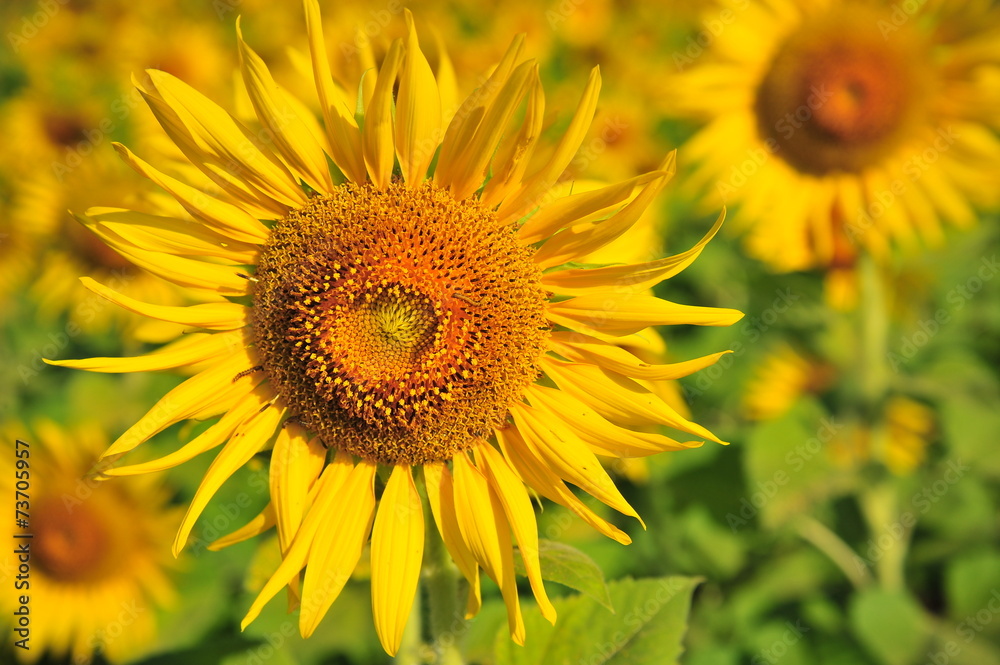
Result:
[[410, 647], [833, 546], [879, 500], [446, 617], [874, 338]]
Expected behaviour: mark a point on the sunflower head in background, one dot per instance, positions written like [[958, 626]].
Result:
[[400, 296], [846, 127], [98, 551]]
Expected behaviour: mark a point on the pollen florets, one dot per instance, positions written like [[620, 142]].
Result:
[[399, 324]]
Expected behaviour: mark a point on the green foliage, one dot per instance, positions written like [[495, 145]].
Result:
[[647, 627], [890, 624], [570, 567]]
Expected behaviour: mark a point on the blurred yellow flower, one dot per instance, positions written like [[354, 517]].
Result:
[[899, 440], [909, 427], [845, 125], [60, 158], [97, 563], [781, 378], [400, 319]]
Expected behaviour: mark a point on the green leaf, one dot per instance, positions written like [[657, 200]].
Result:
[[970, 582], [647, 628], [219, 649], [479, 638], [569, 566], [787, 467], [890, 624], [969, 428]]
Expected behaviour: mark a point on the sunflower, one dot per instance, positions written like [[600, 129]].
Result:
[[56, 133], [846, 126], [782, 378], [97, 551], [898, 440], [401, 297]]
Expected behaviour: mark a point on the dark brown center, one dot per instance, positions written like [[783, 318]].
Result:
[[399, 324]]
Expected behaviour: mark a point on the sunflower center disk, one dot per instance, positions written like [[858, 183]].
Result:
[[838, 96], [399, 324], [69, 546]]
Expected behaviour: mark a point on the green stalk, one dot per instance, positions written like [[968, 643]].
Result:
[[446, 618], [879, 500], [410, 646], [873, 370]]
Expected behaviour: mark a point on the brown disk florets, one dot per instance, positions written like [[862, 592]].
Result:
[[398, 324], [839, 95], [71, 543]]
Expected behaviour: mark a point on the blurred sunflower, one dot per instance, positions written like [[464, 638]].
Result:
[[782, 377], [99, 562], [899, 440], [54, 135], [400, 310], [846, 125]]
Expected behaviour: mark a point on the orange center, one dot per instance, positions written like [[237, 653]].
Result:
[[838, 96], [71, 543], [399, 324], [64, 130], [863, 103]]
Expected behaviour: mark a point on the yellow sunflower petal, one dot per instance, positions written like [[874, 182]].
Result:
[[263, 521], [377, 135], [207, 387], [221, 279], [469, 168], [366, 66], [215, 435], [441, 497], [189, 350], [447, 85], [537, 474], [626, 278], [574, 208], [469, 115], [219, 215], [249, 437], [289, 133], [328, 500], [223, 174], [396, 553], [296, 462], [577, 347], [534, 188], [337, 547], [517, 507], [211, 316], [341, 127], [569, 456], [223, 137], [582, 239], [485, 530], [614, 314], [515, 153], [418, 111], [617, 398], [167, 234], [603, 437]]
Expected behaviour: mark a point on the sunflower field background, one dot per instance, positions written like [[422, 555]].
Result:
[[853, 519]]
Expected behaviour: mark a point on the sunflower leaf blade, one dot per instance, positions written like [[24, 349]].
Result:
[[651, 620], [570, 567]]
